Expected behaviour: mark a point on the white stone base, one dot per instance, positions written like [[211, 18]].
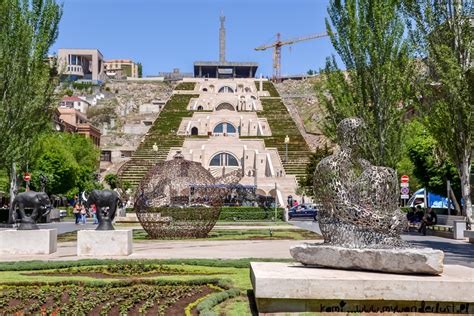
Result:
[[294, 288], [469, 234], [104, 243], [28, 242]]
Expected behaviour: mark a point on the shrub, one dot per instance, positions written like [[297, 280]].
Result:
[[239, 213], [204, 308]]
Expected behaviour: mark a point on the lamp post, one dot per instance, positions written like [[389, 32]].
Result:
[[155, 149], [287, 141]]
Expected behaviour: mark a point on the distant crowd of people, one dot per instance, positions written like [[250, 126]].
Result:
[[81, 213]]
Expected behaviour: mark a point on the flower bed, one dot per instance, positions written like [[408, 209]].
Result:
[[116, 298]]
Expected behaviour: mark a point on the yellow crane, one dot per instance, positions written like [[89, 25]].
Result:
[[277, 50]]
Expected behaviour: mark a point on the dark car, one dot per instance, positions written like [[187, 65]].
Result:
[[304, 210]]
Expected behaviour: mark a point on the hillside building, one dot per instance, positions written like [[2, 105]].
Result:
[[81, 64], [119, 68], [70, 120]]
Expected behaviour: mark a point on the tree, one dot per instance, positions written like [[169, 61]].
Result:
[[28, 28], [310, 72], [112, 180], [140, 70], [368, 36], [431, 167], [441, 31], [68, 160], [314, 159]]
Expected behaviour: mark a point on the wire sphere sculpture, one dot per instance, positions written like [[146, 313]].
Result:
[[178, 199]]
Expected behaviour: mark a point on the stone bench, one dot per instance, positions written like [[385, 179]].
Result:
[[445, 226], [469, 234]]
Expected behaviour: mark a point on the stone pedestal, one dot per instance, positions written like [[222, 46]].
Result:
[[294, 288], [28, 242], [458, 229], [398, 260], [469, 234], [104, 243]]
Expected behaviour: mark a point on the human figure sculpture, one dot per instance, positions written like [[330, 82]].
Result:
[[38, 201], [359, 201], [106, 202], [43, 181]]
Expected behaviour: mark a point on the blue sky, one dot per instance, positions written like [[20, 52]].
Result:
[[167, 34]]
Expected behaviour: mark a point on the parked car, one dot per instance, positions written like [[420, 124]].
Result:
[[303, 210]]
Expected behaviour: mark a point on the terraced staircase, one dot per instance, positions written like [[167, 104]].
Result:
[[282, 125], [163, 133]]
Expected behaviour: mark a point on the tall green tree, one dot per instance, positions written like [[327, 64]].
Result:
[[28, 28], [68, 160], [368, 36], [443, 34], [140, 70]]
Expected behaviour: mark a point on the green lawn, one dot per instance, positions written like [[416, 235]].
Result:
[[228, 234]]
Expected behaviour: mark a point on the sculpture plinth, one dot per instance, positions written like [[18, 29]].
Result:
[[359, 215]]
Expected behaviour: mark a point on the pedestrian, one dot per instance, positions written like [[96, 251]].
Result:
[[83, 215], [302, 199], [76, 211], [430, 219], [94, 214], [295, 203]]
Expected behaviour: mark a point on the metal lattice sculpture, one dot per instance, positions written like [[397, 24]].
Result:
[[178, 198], [359, 201]]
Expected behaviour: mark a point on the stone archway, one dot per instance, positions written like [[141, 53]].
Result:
[[225, 106], [194, 131]]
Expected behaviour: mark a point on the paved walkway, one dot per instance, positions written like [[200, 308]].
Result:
[[456, 252]]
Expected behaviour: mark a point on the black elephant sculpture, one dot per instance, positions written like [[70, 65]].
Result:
[[40, 204], [106, 202]]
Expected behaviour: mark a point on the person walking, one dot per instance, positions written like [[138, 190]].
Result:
[[94, 214], [83, 215], [76, 211]]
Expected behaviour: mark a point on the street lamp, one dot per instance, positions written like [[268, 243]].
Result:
[[155, 149], [287, 141]]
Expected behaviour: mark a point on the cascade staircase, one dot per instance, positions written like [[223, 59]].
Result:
[[163, 133], [282, 124]]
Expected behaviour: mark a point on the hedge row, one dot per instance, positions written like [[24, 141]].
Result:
[[243, 213], [205, 307], [47, 265]]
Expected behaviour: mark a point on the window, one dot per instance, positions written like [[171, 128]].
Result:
[[224, 128], [219, 128], [226, 89], [230, 128], [224, 159]]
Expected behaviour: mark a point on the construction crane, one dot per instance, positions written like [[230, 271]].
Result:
[[277, 50]]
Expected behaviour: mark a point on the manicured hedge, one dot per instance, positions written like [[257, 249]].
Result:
[[205, 307], [245, 213]]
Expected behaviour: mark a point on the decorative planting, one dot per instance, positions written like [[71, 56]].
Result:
[[116, 298]]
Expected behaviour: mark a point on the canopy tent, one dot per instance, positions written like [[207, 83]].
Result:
[[434, 200]]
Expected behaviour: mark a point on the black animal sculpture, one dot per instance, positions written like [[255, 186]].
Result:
[[106, 202], [38, 201]]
